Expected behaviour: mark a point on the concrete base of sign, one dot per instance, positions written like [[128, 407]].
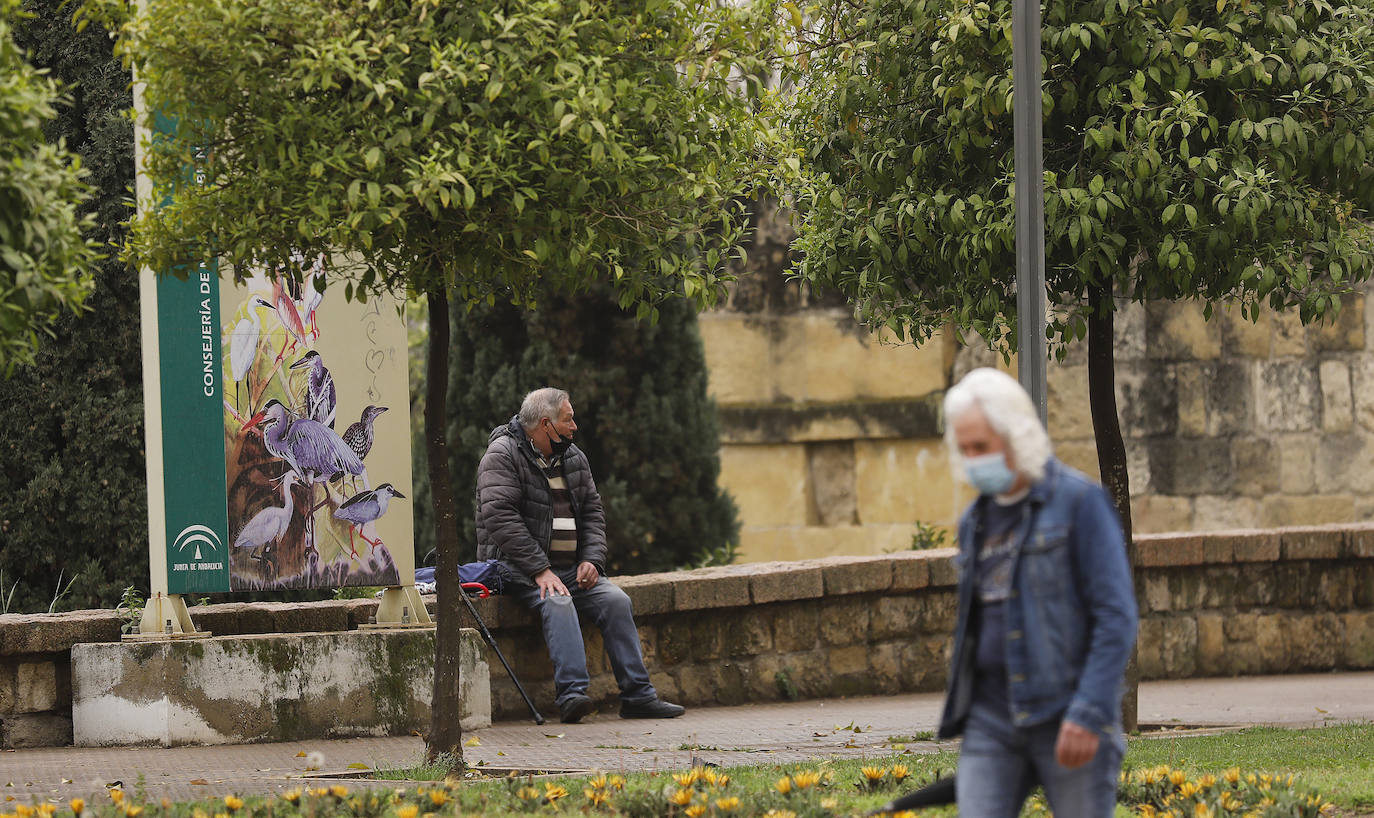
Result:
[[272, 687]]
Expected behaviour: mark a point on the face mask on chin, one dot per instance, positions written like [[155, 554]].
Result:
[[558, 444]]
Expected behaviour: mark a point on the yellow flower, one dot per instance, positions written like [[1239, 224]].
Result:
[[1251, 779], [1201, 810], [598, 783], [833, 803], [338, 791], [686, 779], [617, 782], [524, 794], [438, 797], [1177, 777], [780, 813], [133, 811], [47, 809], [78, 804], [553, 792], [221, 815], [873, 774], [407, 811], [1230, 802], [1189, 789], [116, 795], [806, 780], [783, 785], [24, 810], [695, 811], [708, 776], [1207, 782], [900, 772], [682, 797], [294, 796], [727, 804], [320, 792], [199, 813], [233, 802], [1231, 776], [722, 781], [596, 796], [906, 813], [1146, 810]]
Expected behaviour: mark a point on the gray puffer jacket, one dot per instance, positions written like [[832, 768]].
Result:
[[515, 504]]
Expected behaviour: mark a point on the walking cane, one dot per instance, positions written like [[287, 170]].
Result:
[[483, 592]]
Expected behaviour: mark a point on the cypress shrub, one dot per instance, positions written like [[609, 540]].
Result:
[[73, 498], [644, 420]]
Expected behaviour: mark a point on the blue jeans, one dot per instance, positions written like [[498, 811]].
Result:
[[608, 607], [999, 763]]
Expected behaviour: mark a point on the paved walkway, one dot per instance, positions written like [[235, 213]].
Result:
[[748, 734]]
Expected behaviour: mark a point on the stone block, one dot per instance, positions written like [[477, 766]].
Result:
[[1138, 470], [1271, 640], [700, 589], [35, 687], [938, 613], [893, 369], [1219, 549], [1190, 467], [1256, 546], [1186, 589], [763, 678], [1362, 390], [1157, 513], [1213, 513], [696, 684], [1256, 464], [844, 621], [1335, 587], [735, 346], [943, 572], [1312, 543], [1315, 641], [1230, 399], [1297, 464], [850, 661], [1157, 598], [1178, 331], [1150, 647], [1288, 396], [1288, 337], [1337, 399], [1256, 585], [8, 667], [1342, 333], [22, 730], [1359, 539], [1081, 456], [1359, 639], [1240, 335], [1211, 644], [781, 582], [1129, 326], [1310, 510], [1066, 399], [894, 617], [1340, 464], [650, 594], [1147, 398], [1292, 584], [266, 688], [885, 667], [768, 482], [1168, 550], [747, 635], [796, 627], [856, 575], [1179, 651], [56, 633], [1240, 627], [911, 570], [899, 481], [830, 465], [1193, 379]]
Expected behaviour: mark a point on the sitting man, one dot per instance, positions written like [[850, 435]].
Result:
[[538, 511]]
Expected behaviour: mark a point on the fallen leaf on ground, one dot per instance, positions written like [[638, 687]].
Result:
[[473, 742], [357, 765], [199, 781], [301, 754], [500, 752], [554, 735]]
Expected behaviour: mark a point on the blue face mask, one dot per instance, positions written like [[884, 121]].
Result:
[[989, 473]]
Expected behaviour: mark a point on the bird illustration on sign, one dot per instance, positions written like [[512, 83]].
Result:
[[302, 510]]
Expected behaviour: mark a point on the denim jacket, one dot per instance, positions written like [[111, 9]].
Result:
[[1071, 616]]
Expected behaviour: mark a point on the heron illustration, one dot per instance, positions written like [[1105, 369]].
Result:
[[320, 396], [311, 297], [312, 450], [358, 435], [243, 343], [363, 508], [269, 525]]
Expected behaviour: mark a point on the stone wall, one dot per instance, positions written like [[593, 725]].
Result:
[[1219, 603], [831, 435]]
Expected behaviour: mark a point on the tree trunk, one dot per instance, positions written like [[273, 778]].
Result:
[[1111, 453], [445, 732]]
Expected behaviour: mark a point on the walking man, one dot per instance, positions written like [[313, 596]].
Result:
[[538, 511], [1047, 616]]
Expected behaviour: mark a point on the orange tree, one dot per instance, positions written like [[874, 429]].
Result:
[[456, 151], [1215, 151]]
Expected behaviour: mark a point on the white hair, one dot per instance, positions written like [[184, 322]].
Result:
[[1010, 412], [539, 404]]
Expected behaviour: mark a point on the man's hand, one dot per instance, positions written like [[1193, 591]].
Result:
[[1076, 745], [587, 575], [549, 583]]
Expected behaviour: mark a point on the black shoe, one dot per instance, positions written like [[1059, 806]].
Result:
[[574, 709], [653, 709]]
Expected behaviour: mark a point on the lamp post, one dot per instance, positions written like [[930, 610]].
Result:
[[1030, 200]]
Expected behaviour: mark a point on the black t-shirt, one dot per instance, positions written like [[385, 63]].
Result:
[[1001, 526]]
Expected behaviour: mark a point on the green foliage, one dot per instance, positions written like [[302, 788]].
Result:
[[72, 496], [929, 536], [1212, 151], [44, 258], [477, 148], [644, 420]]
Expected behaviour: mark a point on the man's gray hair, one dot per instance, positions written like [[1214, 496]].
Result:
[[540, 404], [1008, 410]]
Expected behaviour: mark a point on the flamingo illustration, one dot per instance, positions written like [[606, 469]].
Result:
[[289, 317], [363, 508], [269, 525]]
